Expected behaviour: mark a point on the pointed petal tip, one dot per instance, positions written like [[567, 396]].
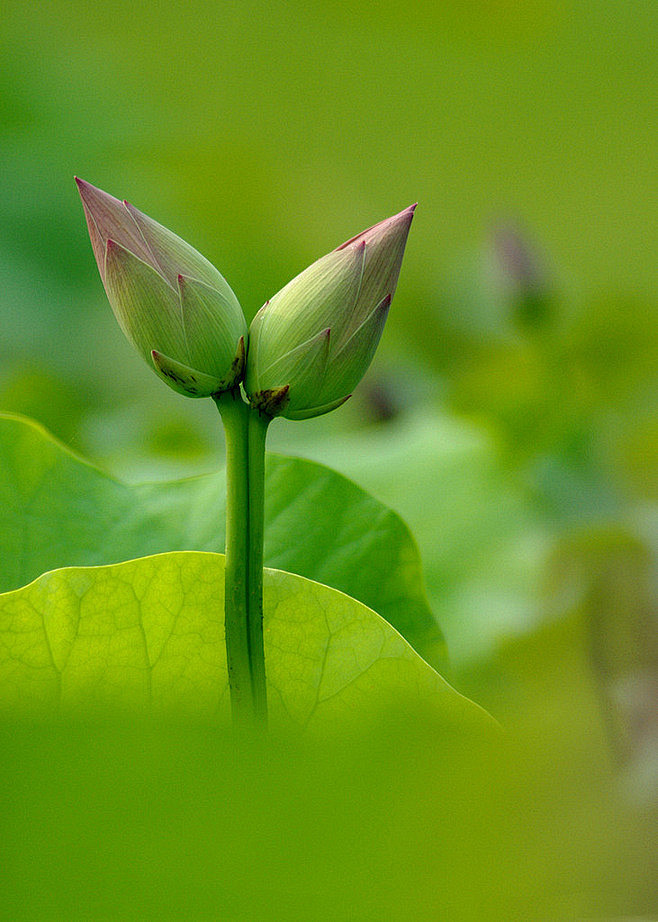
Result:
[[184, 283], [84, 187], [116, 251], [96, 200], [382, 227], [131, 208], [87, 187], [406, 214]]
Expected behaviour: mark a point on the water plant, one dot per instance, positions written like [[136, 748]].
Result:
[[306, 350]]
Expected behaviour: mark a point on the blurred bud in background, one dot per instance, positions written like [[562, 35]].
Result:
[[520, 276]]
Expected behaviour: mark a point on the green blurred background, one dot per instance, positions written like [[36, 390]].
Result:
[[510, 414]]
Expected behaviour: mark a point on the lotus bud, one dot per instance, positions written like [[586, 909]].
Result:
[[310, 345], [171, 303], [521, 276]]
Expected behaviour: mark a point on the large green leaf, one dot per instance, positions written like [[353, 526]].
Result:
[[57, 510], [147, 636], [482, 541]]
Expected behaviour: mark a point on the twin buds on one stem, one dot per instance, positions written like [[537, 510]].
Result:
[[306, 350]]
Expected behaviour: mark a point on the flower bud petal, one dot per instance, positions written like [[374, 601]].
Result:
[[212, 328], [307, 363], [345, 370], [107, 220], [147, 309], [183, 379], [273, 402], [316, 299], [385, 244], [174, 257], [317, 411]]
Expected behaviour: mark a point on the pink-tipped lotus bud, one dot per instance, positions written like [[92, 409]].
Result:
[[172, 304], [311, 343]]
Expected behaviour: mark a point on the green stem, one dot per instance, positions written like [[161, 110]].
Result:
[[257, 435], [243, 596], [235, 417]]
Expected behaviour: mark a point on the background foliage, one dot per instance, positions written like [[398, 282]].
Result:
[[510, 415]]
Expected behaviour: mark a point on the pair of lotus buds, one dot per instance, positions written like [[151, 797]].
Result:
[[307, 347]]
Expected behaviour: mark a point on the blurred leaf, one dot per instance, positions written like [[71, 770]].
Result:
[[147, 636], [481, 540], [607, 575], [135, 822], [635, 448], [32, 390], [58, 510]]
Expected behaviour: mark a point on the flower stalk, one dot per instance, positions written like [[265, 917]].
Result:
[[245, 433], [235, 418], [257, 435]]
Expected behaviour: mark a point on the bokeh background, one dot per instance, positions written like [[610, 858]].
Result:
[[511, 413]]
